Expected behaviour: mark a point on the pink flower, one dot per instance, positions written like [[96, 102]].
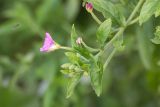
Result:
[[89, 7], [49, 44]]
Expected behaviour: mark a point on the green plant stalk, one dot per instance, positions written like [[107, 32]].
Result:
[[89, 48], [115, 30], [109, 59], [121, 30], [95, 18], [133, 21], [135, 11], [129, 22], [66, 48], [119, 33]]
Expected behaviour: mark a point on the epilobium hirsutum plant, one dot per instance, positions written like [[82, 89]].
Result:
[[86, 60]]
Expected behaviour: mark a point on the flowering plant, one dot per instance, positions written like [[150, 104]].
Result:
[[93, 62]]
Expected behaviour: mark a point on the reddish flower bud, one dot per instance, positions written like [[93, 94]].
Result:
[[89, 7]]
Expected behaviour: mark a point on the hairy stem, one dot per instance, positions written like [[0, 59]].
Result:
[[135, 10], [89, 48], [121, 30], [95, 18], [133, 21], [66, 48], [119, 33], [109, 59]]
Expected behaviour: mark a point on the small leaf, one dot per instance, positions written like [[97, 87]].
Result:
[[104, 31], [144, 47], [118, 44], [76, 58], [148, 9], [72, 57], [66, 72], [74, 36], [72, 84], [66, 65], [96, 72], [83, 52], [157, 13], [156, 39]]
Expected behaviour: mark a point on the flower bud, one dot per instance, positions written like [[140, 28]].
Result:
[[89, 7], [79, 40]]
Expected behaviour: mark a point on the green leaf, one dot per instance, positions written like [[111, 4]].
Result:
[[157, 13], [71, 68], [74, 37], [156, 39], [72, 84], [72, 57], [76, 58], [144, 47], [148, 9], [66, 65], [65, 72], [104, 31], [118, 44], [83, 52], [96, 72]]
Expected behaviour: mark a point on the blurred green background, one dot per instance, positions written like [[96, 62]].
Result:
[[29, 78]]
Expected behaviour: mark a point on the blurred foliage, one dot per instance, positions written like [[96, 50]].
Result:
[[29, 78]]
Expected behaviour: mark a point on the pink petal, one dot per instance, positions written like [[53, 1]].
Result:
[[48, 43]]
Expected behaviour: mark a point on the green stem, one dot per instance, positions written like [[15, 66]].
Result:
[[133, 21], [135, 10], [66, 48], [115, 30], [121, 30], [109, 59], [89, 48], [95, 18]]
